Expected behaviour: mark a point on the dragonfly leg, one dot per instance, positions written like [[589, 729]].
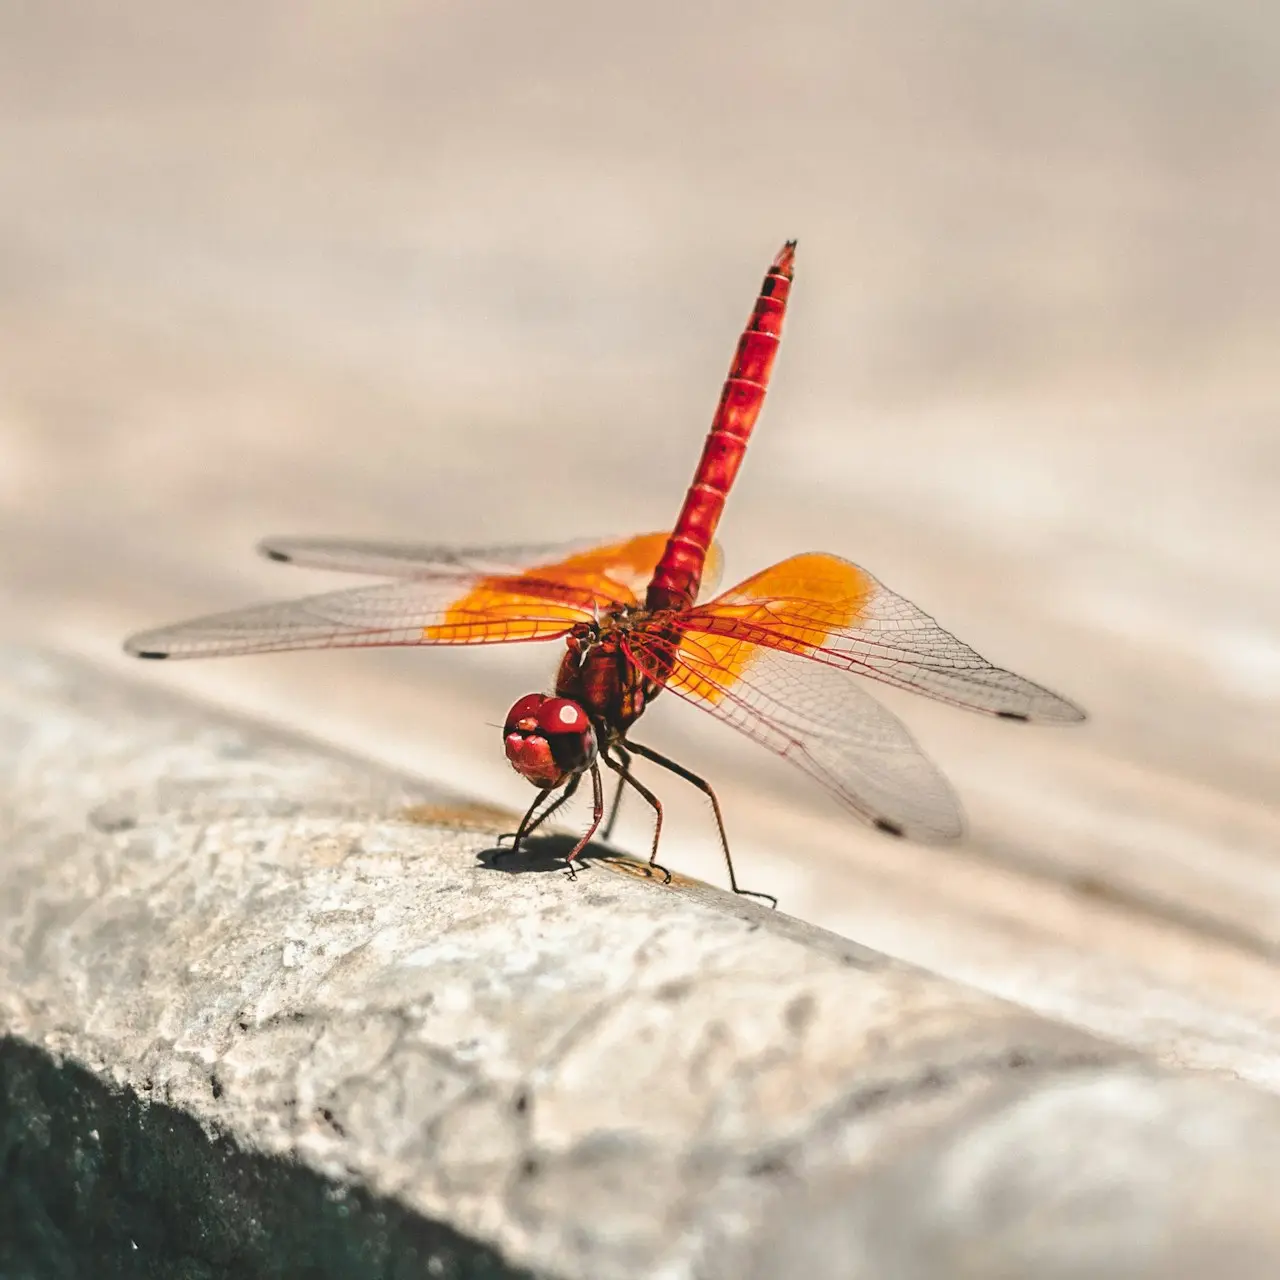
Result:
[[519, 833], [625, 756], [597, 795], [529, 824], [705, 787], [623, 771]]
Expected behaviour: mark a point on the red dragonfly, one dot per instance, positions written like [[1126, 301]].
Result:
[[771, 656]]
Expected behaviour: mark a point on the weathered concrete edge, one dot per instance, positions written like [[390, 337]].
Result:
[[99, 1181], [923, 1052]]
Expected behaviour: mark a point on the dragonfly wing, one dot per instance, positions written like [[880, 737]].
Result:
[[822, 721], [389, 613], [712, 570], [417, 559], [441, 595], [629, 562], [834, 612]]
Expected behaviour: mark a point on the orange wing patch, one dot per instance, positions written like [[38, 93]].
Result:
[[616, 573], [794, 606], [493, 616], [597, 580], [570, 590]]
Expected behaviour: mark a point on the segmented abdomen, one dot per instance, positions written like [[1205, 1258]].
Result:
[[679, 572]]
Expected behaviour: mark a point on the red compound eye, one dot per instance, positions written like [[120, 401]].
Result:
[[560, 715], [525, 708], [548, 740]]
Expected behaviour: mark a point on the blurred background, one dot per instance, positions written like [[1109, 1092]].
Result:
[[474, 272]]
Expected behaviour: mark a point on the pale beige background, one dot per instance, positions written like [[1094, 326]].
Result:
[[474, 271]]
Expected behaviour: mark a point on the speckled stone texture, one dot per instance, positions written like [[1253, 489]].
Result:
[[267, 1006]]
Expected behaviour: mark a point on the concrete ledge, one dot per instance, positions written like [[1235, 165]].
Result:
[[98, 1182], [280, 984]]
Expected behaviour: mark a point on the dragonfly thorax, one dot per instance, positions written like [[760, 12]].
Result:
[[598, 673]]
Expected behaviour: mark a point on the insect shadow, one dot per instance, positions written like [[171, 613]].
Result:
[[542, 853]]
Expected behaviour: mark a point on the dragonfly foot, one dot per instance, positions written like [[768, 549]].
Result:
[[764, 897]]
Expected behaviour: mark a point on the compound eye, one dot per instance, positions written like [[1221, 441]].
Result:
[[526, 708], [548, 740], [561, 715], [568, 731]]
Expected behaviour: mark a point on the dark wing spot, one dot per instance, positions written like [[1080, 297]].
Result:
[[889, 828], [272, 554], [150, 653], [1013, 715]]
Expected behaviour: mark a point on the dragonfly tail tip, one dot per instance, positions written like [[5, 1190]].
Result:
[[786, 257]]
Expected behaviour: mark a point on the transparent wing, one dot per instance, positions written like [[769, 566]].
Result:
[[441, 596], [419, 559], [629, 562], [820, 720], [389, 613], [831, 611]]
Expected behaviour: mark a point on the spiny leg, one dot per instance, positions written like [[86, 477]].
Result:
[[623, 771], [527, 827], [518, 835], [597, 795], [705, 788], [625, 756]]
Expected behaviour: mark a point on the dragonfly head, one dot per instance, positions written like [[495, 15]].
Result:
[[548, 740]]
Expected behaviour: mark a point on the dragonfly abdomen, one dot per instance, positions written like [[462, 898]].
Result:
[[679, 573]]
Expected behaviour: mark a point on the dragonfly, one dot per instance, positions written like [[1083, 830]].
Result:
[[774, 657]]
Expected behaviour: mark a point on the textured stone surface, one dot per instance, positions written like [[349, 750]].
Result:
[[1096, 1176], [320, 963]]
